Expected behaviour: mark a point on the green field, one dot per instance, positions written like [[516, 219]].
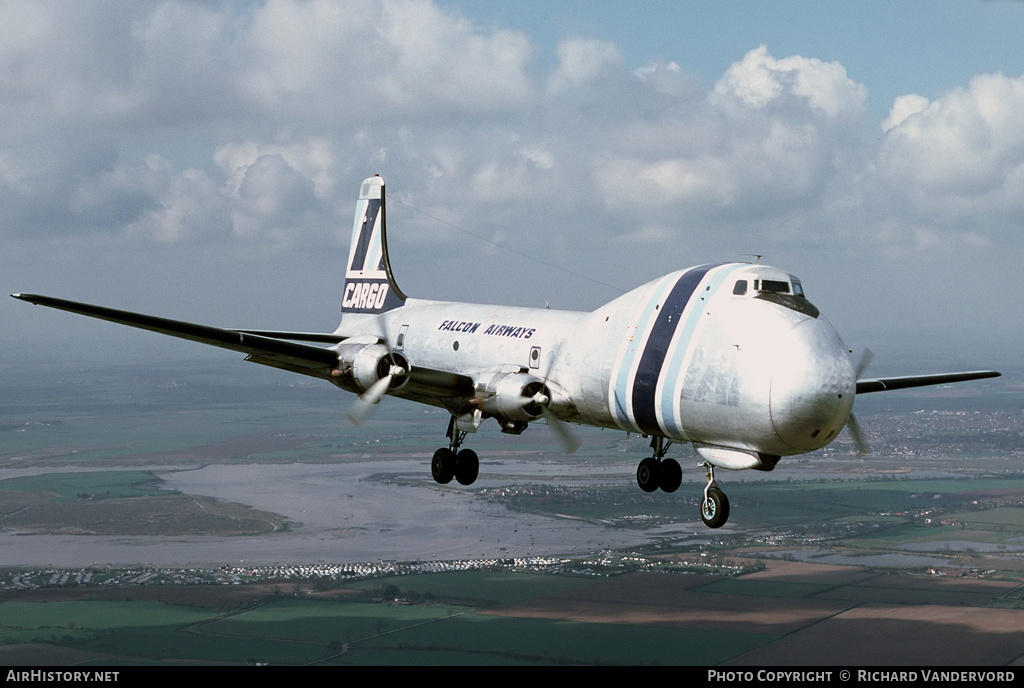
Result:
[[287, 630], [502, 640], [68, 487]]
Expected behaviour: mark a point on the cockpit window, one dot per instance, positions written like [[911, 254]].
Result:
[[775, 286], [741, 288], [798, 288]]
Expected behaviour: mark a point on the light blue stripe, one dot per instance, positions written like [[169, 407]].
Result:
[[671, 420], [644, 325], [375, 250]]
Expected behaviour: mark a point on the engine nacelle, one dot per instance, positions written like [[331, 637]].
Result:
[[514, 398], [362, 365]]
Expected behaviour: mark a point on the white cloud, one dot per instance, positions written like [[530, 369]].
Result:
[[759, 80], [581, 60], [960, 158], [188, 203], [251, 124], [902, 108], [313, 160], [366, 59]]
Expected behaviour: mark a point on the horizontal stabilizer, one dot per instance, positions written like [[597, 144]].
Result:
[[884, 384], [269, 350]]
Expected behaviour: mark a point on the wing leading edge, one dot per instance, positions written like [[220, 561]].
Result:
[[884, 384], [262, 347]]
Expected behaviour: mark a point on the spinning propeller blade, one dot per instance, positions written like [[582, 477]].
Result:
[[561, 428], [852, 426]]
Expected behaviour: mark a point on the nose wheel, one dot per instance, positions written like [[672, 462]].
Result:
[[714, 509]]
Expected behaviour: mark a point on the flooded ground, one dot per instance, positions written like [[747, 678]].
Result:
[[339, 515]]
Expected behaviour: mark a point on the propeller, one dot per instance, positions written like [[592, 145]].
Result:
[[364, 403], [856, 434], [561, 429]]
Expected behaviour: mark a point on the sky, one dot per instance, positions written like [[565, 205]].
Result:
[[201, 160]]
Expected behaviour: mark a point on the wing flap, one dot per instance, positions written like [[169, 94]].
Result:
[[884, 384], [321, 337]]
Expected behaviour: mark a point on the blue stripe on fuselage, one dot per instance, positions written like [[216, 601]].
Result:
[[632, 349], [669, 319], [678, 351]]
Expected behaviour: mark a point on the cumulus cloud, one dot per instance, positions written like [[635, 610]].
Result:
[[178, 122], [763, 142], [902, 108], [379, 59], [960, 157], [759, 80], [581, 60]]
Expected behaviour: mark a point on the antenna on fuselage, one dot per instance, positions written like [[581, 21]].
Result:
[[757, 256]]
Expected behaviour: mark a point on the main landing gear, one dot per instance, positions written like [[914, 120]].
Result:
[[450, 462], [657, 471]]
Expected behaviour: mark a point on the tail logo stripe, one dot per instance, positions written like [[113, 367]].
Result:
[[365, 234]]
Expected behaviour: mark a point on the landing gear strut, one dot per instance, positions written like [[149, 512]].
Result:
[[449, 462], [657, 471], [714, 509]]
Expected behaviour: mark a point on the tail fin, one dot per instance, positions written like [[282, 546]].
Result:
[[369, 285]]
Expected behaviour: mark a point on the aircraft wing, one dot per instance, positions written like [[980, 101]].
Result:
[[883, 384], [266, 347], [261, 348]]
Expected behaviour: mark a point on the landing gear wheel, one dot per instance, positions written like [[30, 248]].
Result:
[[467, 467], [714, 511], [442, 466], [671, 475], [647, 474]]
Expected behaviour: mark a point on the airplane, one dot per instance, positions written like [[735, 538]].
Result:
[[731, 358]]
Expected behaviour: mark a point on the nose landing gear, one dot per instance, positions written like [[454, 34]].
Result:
[[714, 509]]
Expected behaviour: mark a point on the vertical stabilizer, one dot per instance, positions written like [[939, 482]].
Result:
[[369, 285]]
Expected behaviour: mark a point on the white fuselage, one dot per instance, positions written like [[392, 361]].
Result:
[[684, 357]]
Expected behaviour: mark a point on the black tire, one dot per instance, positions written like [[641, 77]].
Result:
[[467, 467], [442, 466], [671, 476], [714, 510], [647, 474]]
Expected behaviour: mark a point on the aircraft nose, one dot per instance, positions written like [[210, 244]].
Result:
[[813, 386]]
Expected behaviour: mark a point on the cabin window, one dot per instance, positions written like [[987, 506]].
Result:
[[741, 288]]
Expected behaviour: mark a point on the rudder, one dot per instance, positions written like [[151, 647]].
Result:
[[369, 285]]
